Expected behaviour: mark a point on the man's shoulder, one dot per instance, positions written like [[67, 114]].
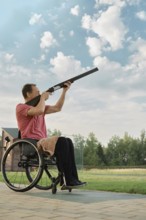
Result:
[[22, 106], [19, 105]]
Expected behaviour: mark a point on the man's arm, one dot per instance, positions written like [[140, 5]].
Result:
[[39, 109], [59, 104]]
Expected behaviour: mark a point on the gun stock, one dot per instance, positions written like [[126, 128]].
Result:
[[36, 100]]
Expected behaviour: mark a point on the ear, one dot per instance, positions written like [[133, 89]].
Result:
[[28, 95]]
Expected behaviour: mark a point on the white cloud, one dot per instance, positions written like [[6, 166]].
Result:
[[104, 2], [75, 10], [124, 79], [116, 2], [106, 64], [36, 19], [95, 46], [110, 101], [87, 22], [133, 2], [141, 15], [65, 66], [71, 33], [8, 57], [47, 40], [110, 75], [109, 2], [140, 46], [108, 26], [137, 59], [41, 59]]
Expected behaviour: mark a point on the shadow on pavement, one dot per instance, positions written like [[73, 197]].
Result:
[[82, 196]]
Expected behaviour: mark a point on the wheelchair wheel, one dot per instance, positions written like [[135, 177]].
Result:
[[50, 176], [20, 157]]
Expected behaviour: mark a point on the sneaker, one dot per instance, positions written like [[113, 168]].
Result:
[[75, 183], [82, 183]]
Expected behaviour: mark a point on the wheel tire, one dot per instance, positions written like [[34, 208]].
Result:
[[18, 158]]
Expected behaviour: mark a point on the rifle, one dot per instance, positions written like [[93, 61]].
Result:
[[36, 100]]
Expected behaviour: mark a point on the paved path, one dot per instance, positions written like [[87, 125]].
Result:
[[77, 205]]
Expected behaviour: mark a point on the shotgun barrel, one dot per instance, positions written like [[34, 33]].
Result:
[[36, 100]]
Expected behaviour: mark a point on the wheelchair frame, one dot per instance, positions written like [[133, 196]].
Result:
[[30, 168]]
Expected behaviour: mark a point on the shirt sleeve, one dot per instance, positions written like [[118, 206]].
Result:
[[22, 109]]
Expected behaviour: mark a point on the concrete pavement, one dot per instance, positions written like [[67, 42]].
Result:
[[77, 205]]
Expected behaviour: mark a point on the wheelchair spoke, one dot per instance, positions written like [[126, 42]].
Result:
[[49, 175], [18, 158]]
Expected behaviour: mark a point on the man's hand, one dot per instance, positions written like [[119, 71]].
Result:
[[45, 95], [66, 86]]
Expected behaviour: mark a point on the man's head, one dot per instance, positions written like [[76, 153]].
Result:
[[29, 91]]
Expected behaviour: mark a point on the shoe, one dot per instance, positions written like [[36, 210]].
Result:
[[73, 184], [76, 183], [82, 183]]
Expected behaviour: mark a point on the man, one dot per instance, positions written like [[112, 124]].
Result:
[[31, 123]]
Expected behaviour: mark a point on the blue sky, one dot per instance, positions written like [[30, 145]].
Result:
[[47, 42]]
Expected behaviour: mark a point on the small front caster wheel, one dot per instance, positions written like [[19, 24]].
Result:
[[54, 190]]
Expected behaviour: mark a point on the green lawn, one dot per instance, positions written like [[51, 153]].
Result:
[[116, 180]]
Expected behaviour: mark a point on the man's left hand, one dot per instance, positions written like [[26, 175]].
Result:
[[66, 86]]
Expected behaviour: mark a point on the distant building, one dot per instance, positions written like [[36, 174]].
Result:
[[11, 134]]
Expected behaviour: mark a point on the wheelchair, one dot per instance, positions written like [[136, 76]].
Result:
[[23, 167]]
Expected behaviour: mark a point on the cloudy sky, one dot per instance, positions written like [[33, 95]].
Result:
[[46, 42]]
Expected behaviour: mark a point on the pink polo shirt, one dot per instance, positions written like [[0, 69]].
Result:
[[30, 126]]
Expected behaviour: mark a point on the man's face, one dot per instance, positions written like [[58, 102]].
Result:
[[35, 92]]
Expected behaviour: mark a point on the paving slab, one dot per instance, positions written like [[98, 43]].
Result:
[[79, 204]]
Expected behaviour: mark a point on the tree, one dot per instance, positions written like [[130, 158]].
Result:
[[79, 143], [127, 150], [112, 151], [143, 146], [55, 132], [101, 155], [91, 157], [117, 150]]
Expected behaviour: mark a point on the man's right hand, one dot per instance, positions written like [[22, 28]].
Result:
[[45, 95]]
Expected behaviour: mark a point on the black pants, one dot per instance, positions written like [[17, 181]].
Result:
[[64, 153]]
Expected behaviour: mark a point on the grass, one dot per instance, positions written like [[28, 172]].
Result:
[[115, 180]]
